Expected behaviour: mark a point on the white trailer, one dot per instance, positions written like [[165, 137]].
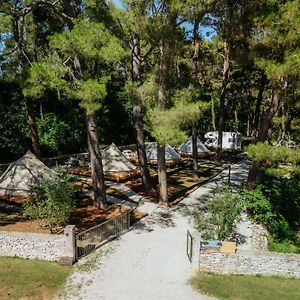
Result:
[[231, 140]]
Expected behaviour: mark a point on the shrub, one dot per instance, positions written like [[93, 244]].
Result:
[[222, 211], [282, 247], [258, 205], [262, 210], [51, 201]]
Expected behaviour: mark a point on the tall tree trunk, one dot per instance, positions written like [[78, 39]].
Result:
[[164, 73], [145, 174], [196, 49], [137, 114], [194, 75], [162, 174], [236, 119], [96, 162], [33, 129], [248, 125], [262, 136], [223, 96], [284, 118], [18, 34], [163, 98], [256, 119], [195, 152], [213, 114], [235, 113]]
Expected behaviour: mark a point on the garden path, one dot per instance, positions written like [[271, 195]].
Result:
[[149, 262]]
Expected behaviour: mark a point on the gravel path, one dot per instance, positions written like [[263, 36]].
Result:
[[149, 262]]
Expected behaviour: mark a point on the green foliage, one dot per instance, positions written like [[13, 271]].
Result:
[[285, 197], [280, 55], [278, 172], [263, 152], [163, 126], [96, 46], [259, 205], [169, 126], [90, 92], [55, 134], [222, 211], [144, 94], [4, 23], [51, 201], [282, 247], [44, 75], [90, 40], [263, 210]]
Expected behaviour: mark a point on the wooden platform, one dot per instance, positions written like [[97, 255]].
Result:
[[200, 155], [122, 176], [169, 163], [19, 199], [114, 176]]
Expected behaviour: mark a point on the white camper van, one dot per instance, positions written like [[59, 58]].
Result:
[[231, 140]]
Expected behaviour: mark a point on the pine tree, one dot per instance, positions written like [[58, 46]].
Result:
[[78, 65], [277, 46]]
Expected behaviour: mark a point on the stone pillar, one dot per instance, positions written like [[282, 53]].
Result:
[[70, 246]]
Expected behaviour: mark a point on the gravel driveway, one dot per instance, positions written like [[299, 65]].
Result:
[[147, 263]]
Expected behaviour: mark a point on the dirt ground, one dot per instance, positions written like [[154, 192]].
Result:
[[85, 216]]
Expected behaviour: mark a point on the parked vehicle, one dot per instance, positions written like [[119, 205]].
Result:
[[231, 140]]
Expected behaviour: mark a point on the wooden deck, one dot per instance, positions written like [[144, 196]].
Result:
[[114, 176]]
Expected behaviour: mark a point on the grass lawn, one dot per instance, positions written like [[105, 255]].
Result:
[[31, 279], [239, 287]]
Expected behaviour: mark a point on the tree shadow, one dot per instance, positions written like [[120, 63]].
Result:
[[160, 218], [10, 213]]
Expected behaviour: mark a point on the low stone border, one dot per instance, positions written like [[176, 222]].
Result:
[[49, 247], [265, 263]]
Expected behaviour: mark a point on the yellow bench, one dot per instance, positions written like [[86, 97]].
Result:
[[228, 247]]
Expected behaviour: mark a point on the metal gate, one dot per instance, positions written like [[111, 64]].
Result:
[[189, 246], [92, 238]]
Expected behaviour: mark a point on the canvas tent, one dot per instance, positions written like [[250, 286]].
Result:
[[172, 157], [186, 148], [22, 174], [114, 161]]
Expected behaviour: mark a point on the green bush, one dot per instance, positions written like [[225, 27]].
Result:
[[221, 214], [262, 210], [282, 247], [51, 201], [263, 152]]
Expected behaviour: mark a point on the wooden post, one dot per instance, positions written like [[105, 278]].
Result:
[[229, 174]]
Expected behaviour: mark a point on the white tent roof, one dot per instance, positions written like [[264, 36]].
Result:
[[171, 154], [114, 161], [187, 147], [22, 174]]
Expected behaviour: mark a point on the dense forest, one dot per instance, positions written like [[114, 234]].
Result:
[[76, 74]]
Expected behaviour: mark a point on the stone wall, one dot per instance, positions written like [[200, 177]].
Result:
[[34, 245], [259, 238], [263, 263]]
